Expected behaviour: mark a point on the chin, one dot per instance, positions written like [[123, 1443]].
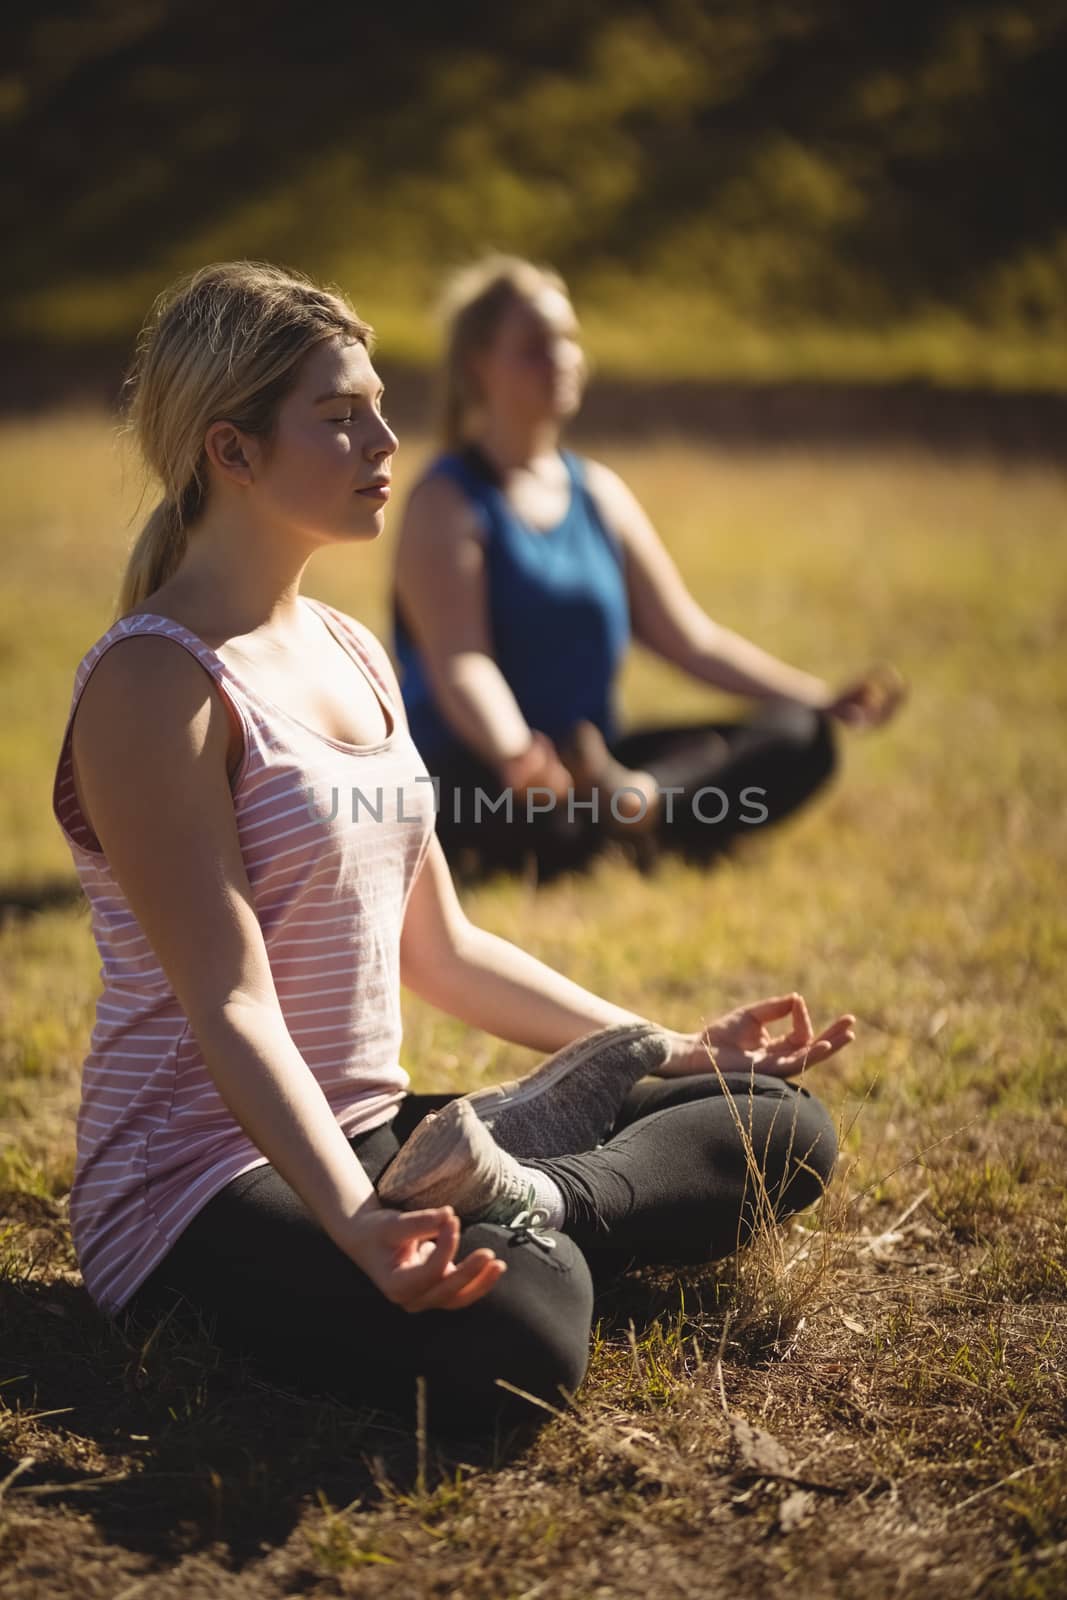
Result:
[[369, 527]]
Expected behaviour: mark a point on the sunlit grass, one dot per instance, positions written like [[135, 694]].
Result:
[[924, 893]]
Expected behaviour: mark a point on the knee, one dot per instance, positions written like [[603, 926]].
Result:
[[530, 1332], [794, 1141], [812, 1156], [803, 734]]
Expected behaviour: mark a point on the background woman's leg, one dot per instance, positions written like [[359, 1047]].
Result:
[[469, 828], [785, 751]]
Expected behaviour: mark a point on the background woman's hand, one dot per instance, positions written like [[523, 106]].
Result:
[[871, 700], [741, 1041], [538, 767], [410, 1257]]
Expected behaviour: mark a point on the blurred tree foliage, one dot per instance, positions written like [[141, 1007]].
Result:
[[709, 176]]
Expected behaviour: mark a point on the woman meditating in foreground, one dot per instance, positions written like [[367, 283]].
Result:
[[247, 1143], [522, 571]]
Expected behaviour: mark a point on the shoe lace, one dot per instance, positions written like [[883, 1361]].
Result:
[[531, 1223]]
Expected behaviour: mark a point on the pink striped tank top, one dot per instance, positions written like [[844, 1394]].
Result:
[[332, 836]]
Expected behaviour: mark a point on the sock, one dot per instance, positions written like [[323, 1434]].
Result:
[[547, 1194]]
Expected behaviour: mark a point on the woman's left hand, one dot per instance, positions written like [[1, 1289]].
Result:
[[741, 1041]]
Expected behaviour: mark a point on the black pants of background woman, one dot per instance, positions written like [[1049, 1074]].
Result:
[[721, 781], [672, 1183]]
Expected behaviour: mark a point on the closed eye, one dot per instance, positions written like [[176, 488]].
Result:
[[344, 422]]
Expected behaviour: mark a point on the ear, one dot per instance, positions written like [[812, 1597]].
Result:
[[231, 452]]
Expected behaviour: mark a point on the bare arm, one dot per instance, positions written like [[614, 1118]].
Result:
[[485, 980], [668, 621], [441, 588], [489, 982], [149, 750]]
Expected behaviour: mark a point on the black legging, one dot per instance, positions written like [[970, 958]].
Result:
[[753, 774], [669, 1184]]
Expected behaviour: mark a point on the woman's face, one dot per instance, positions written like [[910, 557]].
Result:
[[326, 469], [533, 369]]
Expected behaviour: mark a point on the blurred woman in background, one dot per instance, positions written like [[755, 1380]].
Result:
[[523, 572]]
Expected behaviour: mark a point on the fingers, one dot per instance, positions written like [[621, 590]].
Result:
[[465, 1284], [781, 1062], [423, 1275], [828, 1043], [843, 1031], [892, 689], [773, 1010], [836, 1037], [801, 1033], [421, 1270], [460, 1285], [796, 1062], [872, 700], [851, 714]]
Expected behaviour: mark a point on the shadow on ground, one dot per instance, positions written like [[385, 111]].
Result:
[[171, 1446]]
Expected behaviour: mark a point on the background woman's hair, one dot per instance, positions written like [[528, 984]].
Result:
[[475, 301], [224, 343]]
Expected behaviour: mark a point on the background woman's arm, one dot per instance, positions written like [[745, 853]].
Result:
[[441, 588], [668, 620]]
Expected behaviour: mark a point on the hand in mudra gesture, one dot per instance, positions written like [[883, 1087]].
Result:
[[741, 1041], [538, 767], [870, 701]]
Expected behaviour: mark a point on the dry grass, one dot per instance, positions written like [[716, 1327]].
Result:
[[869, 1402]]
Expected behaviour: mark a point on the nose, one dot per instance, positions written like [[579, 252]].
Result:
[[384, 442], [569, 356]]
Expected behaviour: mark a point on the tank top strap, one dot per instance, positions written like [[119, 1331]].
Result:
[[575, 468], [366, 647], [455, 466], [483, 494], [148, 622]]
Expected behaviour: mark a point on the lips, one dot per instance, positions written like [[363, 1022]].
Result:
[[378, 490]]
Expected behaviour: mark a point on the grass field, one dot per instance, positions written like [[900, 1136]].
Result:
[[869, 1404]]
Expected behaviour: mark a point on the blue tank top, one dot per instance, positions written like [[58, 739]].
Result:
[[558, 614]]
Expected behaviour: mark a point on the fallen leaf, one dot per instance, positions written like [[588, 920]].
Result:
[[795, 1510], [760, 1451]]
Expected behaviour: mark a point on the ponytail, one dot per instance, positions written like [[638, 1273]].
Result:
[[155, 557]]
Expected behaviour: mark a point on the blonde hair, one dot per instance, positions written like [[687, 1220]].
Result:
[[223, 343], [475, 301]]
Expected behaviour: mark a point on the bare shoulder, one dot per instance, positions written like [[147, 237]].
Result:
[[437, 511], [613, 496], [149, 692]]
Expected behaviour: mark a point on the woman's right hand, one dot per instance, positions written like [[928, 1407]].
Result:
[[410, 1257], [870, 701]]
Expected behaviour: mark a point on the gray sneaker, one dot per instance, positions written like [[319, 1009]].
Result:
[[452, 1159], [570, 1102]]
